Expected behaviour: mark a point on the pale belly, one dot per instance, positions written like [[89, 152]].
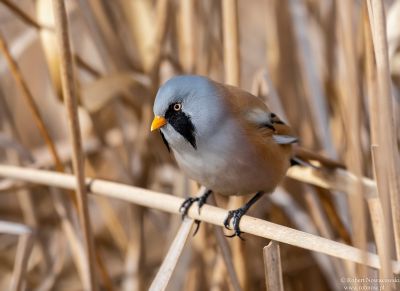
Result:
[[239, 172]]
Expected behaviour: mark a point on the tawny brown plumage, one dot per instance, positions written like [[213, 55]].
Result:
[[224, 138]]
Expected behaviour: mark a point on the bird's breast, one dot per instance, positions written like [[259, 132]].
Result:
[[229, 164]]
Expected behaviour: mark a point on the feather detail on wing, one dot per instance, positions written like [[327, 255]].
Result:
[[270, 124], [256, 113]]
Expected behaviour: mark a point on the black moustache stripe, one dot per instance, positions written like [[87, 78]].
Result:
[[165, 141], [182, 124]]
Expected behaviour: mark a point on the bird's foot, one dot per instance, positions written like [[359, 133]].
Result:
[[184, 209], [235, 216], [185, 206], [201, 200]]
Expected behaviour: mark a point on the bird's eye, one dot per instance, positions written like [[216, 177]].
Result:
[[177, 106]]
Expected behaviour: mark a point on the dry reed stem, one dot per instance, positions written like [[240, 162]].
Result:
[[210, 214], [31, 102], [303, 222], [70, 100], [32, 22], [162, 8], [230, 26], [316, 213], [106, 44], [217, 281], [164, 273], [231, 42], [25, 244], [60, 207], [140, 19], [136, 248], [24, 248], [370, 74], [67, 217], [113, 223], [30, 213], [273, 267], [22, 15], [387, 163], [187, 37], [14, 228], [339, 180], [226, 254], [106, 38], [49, 281], [227, 257], [9, 186], [87, 67], [381, 230], [351, 102], [314, 91], [170, 261], [322, 224], [103, 35], [329, 207]]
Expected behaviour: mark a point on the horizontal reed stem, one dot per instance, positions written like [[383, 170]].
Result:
[[210, 214]]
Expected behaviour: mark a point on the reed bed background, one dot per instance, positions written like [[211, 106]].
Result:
[[84, 185]]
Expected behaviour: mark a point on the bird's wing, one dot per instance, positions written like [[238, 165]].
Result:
[[272, 125], [256, 113]]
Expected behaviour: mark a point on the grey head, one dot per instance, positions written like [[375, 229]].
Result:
[[192, 108]]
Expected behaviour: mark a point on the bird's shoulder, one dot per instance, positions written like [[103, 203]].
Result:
[[255, 113]]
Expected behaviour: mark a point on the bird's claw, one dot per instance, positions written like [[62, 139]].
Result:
[[236, 233], [197, 222], [184, 209], [236, 215], [201, 201], [185, 206], [228, 219]]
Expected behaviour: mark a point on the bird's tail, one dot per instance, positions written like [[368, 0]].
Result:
[[307, 158]]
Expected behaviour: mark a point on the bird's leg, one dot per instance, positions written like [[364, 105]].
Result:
[[201, 200], [237, 214]]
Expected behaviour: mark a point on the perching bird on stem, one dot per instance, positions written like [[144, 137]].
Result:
[[224, 138]]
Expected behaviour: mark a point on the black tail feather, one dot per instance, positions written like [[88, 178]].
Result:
[[296, 161]]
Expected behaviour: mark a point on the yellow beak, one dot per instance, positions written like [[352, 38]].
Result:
[[158, 122]]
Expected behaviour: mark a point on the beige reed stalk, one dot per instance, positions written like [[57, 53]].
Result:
[[382, 230], [210, 214], [387, 163], [21, 14], [55, 157], [24, 250], [351, 104], [232, 77], [273, 267], [187, 35], [26, 93], [70, 95]]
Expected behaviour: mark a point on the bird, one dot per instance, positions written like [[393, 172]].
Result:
[[225, 138]]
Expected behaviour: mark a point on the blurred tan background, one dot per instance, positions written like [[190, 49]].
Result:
[[312, 61]]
